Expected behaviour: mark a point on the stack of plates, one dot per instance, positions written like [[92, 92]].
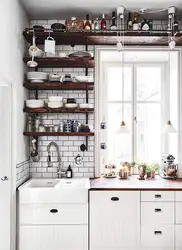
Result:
[[80, 54], [55, 102], [37, 76], [84, 78]]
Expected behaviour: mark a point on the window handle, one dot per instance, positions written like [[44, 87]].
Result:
[[135, 119]]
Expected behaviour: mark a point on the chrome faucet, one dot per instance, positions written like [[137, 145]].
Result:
[[60, 172]]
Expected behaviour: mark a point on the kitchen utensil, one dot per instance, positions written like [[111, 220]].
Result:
[[58, 27], [83, 147], [34, 50], [67, 78], [34, 103], [168, 168], [71, 105], [78, 160], [55, 98], [50, 46], [32, 63], [80, 54], [34, 153], [76, 126], [71, 100], [55, 105], [54, 78], [38, 28], [84, 78], [86, 106]]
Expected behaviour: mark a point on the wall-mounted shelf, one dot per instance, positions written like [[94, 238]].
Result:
[[66, 62], [59, 86], [58, 134], [140, 37], [58, 110]]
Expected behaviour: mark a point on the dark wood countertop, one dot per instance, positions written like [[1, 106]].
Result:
[[132, 184]]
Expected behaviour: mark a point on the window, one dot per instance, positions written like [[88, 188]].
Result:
[[150, 100]]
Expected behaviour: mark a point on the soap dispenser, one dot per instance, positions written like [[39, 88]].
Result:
[[69, 172]]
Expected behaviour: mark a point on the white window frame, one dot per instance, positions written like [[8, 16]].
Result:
[[99, 77]]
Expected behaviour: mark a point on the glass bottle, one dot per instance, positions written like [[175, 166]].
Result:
[[96, 24], [88, 25], [113, 25], [103, 23], [145, 25], [150, 23], [135, 22], [129, 22], [175, 25], [92, 24]]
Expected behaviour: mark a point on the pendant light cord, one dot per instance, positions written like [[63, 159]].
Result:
[[123, 71]]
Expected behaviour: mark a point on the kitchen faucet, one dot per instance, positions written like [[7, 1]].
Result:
[[50, 163]]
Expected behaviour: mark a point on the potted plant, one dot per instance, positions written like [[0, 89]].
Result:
[[149, 172], [154, 168], [130, 167], [142, 171]]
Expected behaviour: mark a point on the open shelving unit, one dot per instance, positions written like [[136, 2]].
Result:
[[58, 110], [35, 134]]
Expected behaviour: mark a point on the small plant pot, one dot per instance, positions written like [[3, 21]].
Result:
[[153, 175], [149, 175]]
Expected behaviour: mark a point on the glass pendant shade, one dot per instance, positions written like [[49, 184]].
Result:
[[123, 128], [169, 129]]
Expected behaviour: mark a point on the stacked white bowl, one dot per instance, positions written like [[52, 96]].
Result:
[[55, 102], [37, 76]]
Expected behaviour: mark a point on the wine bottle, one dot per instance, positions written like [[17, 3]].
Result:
[[129, 22], [175, 25], [88, 25], [113, 25], [135, 22], [103, 23], [150, 23]]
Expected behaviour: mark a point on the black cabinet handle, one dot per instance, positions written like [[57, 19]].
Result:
[[53, 211], [157, 232], [158, 196], [157, 210], [115, 199]]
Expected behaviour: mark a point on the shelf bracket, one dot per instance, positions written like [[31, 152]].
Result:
[[86, 143]]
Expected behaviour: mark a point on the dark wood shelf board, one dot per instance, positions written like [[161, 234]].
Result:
[[154, 37], [58, 110], [59, 86], [58, 134], [58, 62]]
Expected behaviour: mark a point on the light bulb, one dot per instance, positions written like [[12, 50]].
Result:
[[172, 44]]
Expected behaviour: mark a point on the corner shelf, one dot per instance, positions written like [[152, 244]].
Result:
[[58, 110], [108, 37], [34, 134], [65, 62], [59, 86]]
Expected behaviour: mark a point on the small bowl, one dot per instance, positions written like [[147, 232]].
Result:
[[62, 54], [55, 99], [58, 27]]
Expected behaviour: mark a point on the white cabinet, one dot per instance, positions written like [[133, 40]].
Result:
[[157, 237], [178, 237], [53, 237], [114, 220]]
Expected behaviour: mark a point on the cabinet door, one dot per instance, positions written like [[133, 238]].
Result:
[[53, 237], [178, 237], [114, 220], [178, 213]]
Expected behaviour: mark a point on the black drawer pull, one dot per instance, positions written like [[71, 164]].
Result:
[[158, 196], [158, 232], [157, 210], [115, 199], [53, 211]]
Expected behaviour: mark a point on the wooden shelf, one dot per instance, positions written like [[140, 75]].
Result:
[[58, 62], [58, 110], [59, 86], [154, 37], [58, 134]]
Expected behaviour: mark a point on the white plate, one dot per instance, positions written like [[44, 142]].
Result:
[[86, 106], [71, 105], [38, 80], [55, 98], [54, 105]]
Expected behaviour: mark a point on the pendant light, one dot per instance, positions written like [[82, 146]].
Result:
[[123, 129], [168, 128]]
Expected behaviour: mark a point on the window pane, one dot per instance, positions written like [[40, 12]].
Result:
[[119, 147], [148, 133], [148, 83], [114, 85]]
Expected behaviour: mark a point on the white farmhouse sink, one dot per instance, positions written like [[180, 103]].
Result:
[[54, 191]]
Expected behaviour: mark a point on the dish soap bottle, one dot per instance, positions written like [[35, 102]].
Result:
[[69, 172]]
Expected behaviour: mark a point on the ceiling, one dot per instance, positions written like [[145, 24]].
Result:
[[56, 9]]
